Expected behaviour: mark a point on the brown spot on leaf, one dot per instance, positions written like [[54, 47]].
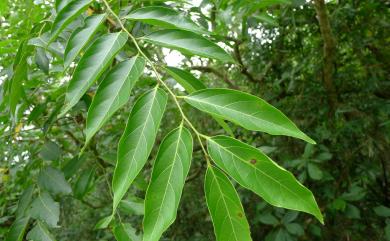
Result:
[[240, 215], [253, 161]]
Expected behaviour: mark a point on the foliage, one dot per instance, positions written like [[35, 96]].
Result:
[[103, 140]]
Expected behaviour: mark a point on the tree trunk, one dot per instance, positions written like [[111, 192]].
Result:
[[329, 51]]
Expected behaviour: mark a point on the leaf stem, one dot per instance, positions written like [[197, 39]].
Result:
[[174, 97]]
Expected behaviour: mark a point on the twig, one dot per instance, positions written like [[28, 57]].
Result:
[[224, 77]]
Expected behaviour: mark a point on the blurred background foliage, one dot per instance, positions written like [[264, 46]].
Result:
[[279, 48]]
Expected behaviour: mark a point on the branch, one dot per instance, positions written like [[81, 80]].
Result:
[[223, 76], [244, 69], [329, 50]]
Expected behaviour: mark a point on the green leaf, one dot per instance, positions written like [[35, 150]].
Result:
[[104, 222], [125, 232], [53, 180], [60, 4], [84, 183], [81, 37], [113, 92], [16, 86], [45, 209], [92, 65], [50, 151], [17, 230], [188, 43], [137, 140], [258, 173], [268, 218], [168, 177], [24, 202], [135, 207], [166, 18], [245, 110], [185, 79], [66, 15], [314, 171], [266, 18], [295, 228], [40, 232], [43, 42], [42, 60], [269, 3], [223, 202], [192, 84], [382, 211], [71, 167]]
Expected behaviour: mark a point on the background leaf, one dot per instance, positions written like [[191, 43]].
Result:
[[45, 209], [53, 180], [17, 230], [40, 233]]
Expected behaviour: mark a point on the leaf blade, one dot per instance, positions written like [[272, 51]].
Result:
[[278, 186], [217, 188], [113, 92], [168, 177], [53, 181], [137, 140], [81, 36], [92, 65], [17, 229], [66, 15], [45, 209], [166, 18], [40, 233], [188, 43], [245, 110]]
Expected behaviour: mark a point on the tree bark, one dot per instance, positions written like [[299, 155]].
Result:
[[329, 50]]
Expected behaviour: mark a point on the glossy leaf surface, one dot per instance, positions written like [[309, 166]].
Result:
[[188, 43], [223, 202], [166, 18], [245, 110], [137, 140], [168, 177], [66, 15], [91, 66], [258, 173], [113, 92], [81, 37]]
